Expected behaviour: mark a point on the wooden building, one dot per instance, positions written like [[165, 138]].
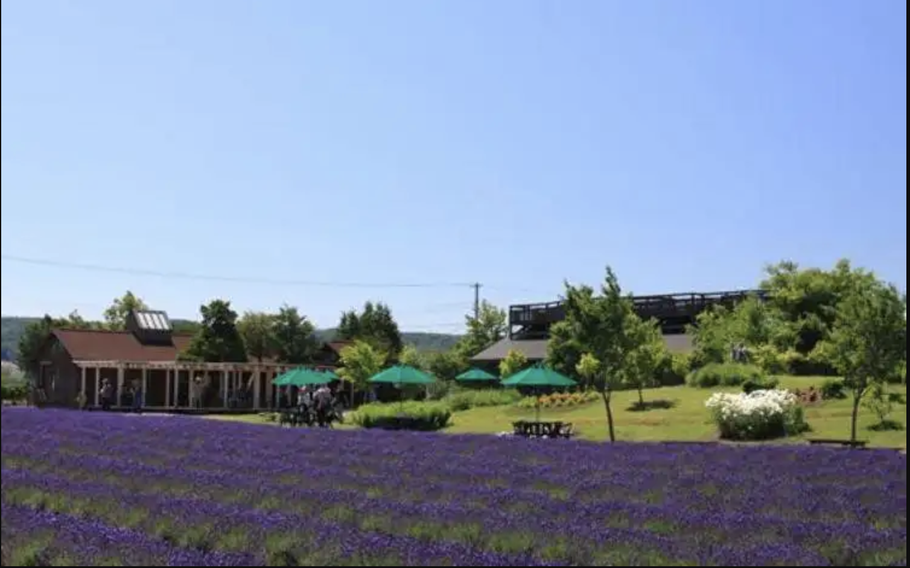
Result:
[[529, 324], [75, 361]]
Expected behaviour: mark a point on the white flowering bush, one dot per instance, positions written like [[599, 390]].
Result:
[[759, 415]]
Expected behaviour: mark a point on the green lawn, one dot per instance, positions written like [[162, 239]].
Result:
[[687, 420]]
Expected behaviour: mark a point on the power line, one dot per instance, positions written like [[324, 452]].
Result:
[[216, 278]]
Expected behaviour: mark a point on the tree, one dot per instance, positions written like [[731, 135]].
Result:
[[513, 362], [482, 331], [410, 356], [35, 337], [295, 339], [258, 332], [646, 357], [115, 314], [446, 365], [217, 340], [375, 325], [868, 339], [587, 367], [601, 326], [360, 361]]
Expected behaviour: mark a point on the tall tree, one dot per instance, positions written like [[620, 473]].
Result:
[[360, 361], [487, 328], [115, 314], [868, 340], [217, 340], [375, 325], [295, 340], [603, 327], [258, 332]]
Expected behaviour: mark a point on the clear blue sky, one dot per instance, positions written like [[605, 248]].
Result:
[[515, 143]]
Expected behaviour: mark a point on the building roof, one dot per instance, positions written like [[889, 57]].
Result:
[[533, 349], [536, 349], [102, 345]]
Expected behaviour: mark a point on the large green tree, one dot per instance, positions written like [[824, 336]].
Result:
[[258, 332], [375, 325], [868, 338], [115, 314], [217, 339], [295, 339]]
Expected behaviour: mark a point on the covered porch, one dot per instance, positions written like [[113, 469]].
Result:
[[183, 386]]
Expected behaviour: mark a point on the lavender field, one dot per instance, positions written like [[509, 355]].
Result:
[[90, 488]]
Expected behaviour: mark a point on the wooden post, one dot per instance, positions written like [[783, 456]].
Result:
[[224, 389], [144, 392], [97, 386], [257, 378], [176, 387], [167, 388], [120, 384], [82, 386]]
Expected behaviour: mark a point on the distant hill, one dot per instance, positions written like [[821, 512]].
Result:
[[11, 328]]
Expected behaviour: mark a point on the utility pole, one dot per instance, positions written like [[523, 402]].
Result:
[[476, 287]]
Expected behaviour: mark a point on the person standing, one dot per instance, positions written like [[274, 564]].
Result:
[[107, 393]]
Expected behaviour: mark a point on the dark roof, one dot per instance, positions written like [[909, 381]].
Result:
[[533, 349], [101, 345], [536, 349]]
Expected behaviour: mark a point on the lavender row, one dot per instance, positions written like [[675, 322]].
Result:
[[88, 542]]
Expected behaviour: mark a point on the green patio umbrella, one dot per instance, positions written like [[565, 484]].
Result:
[[402, 375], [476, 375], [538, 376], [332, 375], [301, 377]]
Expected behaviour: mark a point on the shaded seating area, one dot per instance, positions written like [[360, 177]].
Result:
[[538, 429]]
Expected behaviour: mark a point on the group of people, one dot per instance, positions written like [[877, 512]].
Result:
[[106, 395], [317, 406]]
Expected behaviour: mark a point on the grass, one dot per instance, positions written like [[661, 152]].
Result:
[[685, 419]]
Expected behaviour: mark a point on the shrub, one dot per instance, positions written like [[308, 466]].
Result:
[[14, 391], [766, 383], [834, 389], [559, 400], [769, 359], [724, 374], [440, 389], [424, 416], [673, 369], [761, 415], [465, 399]]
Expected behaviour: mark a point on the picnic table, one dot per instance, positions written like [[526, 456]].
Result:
[[543, 429]]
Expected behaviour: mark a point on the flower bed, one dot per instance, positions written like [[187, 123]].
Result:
[[559, 400], [759, 415]]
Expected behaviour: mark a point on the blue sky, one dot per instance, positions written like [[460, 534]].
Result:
[[515, 143]]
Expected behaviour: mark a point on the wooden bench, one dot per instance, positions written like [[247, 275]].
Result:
[[847, 443]]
